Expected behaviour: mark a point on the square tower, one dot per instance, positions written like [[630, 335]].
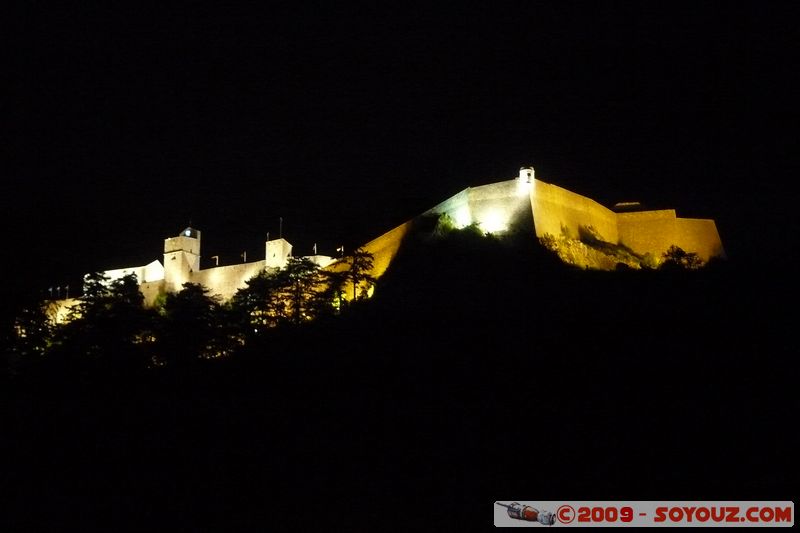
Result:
[[277, 251], [181, 259]]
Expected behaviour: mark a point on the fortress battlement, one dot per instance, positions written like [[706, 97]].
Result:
[[523, 203]]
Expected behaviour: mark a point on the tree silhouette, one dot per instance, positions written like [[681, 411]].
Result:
[[260, 303], [191, 327], [303, 285], [108, 323], [358, 275], [333, 293], [33, 330], [676, 258], [31, 336], [298, 292]]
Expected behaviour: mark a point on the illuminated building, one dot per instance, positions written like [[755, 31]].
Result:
[[530, 205], [521, 204]]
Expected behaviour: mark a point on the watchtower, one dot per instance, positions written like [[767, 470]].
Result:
[[527, 176], [277, 251], [181, 259]]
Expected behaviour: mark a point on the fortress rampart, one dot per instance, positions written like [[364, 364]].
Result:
[[496, 208], [385, 248], [559, 212], [226, 280], [521, 204], [698, 235], [526, 202]]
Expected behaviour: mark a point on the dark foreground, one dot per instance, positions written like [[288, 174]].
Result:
[[447, 392]]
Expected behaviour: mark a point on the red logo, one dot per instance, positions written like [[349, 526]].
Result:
[[565, 514]]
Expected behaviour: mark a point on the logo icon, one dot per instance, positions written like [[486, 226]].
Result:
[[565, 514], [529, 514]]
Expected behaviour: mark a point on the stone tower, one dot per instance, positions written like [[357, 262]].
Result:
[[277, 251], [181, 259], [527, 177]]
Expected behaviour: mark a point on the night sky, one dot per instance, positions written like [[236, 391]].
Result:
[[125, 124]]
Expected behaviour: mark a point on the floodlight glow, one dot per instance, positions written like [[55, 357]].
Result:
[[494, 221], [524, 187], [462, 217]]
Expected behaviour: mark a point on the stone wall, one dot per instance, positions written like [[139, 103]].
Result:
[[151, 291], [178, 269], [385, 247], [224, 281], [495, 208], [499, 207], [456, 207], [182, 242], [650, 232], [700, 236], [655, 231], [560, 212], [151, 272]]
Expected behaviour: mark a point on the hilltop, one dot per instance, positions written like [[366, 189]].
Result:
[[481, 365]]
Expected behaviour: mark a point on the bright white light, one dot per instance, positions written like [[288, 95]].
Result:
[[187, 233], [494, 221], [462, 217], [523, 187]]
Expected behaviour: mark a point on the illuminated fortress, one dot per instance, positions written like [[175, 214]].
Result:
[[556, 214], [524, 203]]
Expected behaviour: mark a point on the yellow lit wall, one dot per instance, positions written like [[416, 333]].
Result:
[[383, 249], [655, 231], [699, 236], [648, 231], [555, 208]]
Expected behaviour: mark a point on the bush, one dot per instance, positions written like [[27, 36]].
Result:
[[676, 258]]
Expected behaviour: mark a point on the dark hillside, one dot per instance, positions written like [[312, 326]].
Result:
[[482, 368]]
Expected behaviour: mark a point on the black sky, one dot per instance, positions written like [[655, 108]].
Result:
[[123, 124]]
